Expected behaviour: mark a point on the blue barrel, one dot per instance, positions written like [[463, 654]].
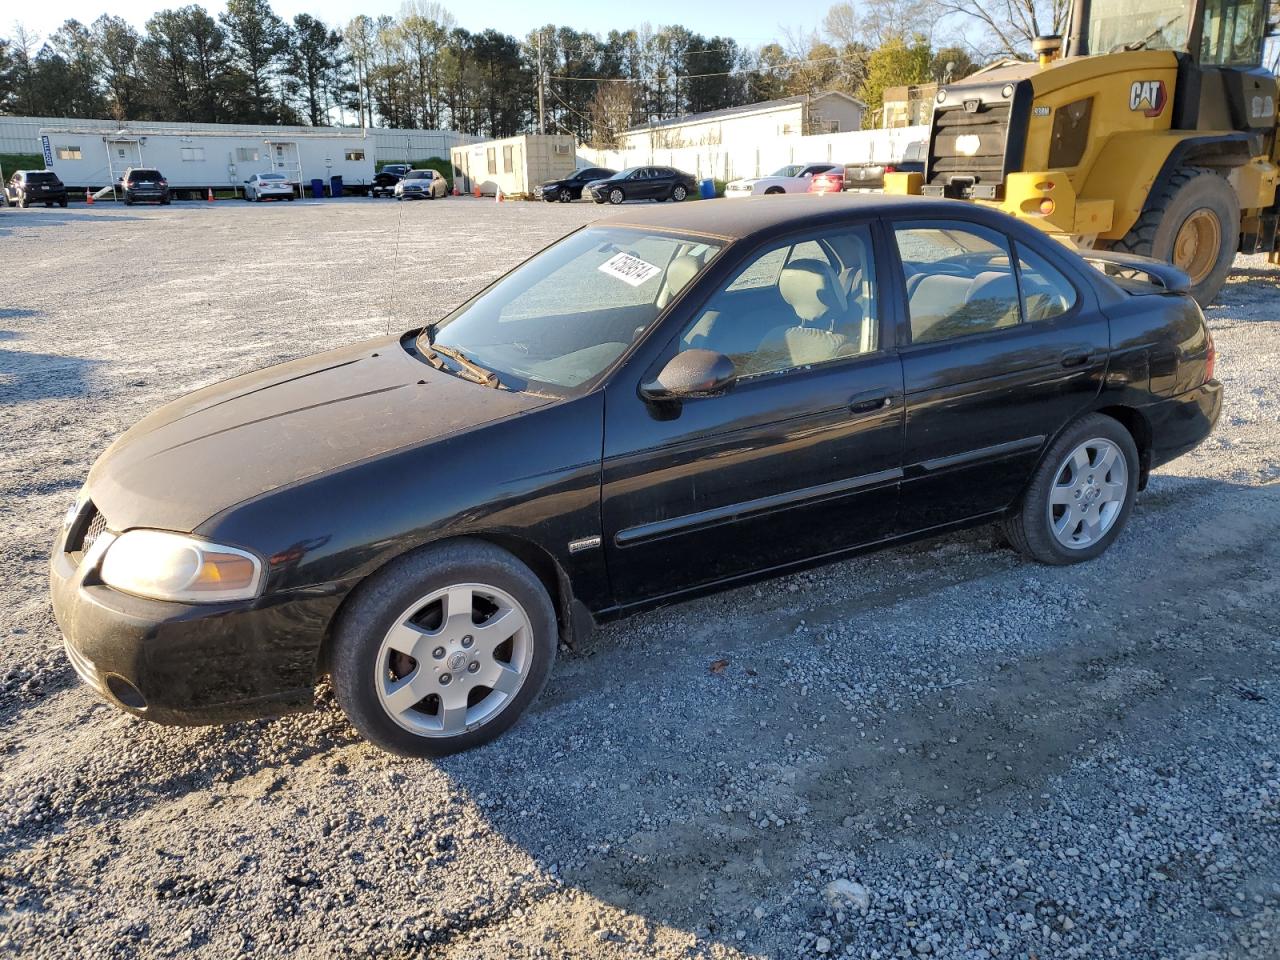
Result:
[[335, 186], [707, 189], [317, 188]]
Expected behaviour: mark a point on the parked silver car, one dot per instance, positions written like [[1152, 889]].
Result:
[[422, 185], [268, 186]]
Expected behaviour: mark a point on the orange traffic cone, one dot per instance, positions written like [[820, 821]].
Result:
[[210, 197], [477, 191], [88, 196], [497, 195]]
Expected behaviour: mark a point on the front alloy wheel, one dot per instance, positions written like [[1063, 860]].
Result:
[[453, 659], [616, 196], [443, 649]]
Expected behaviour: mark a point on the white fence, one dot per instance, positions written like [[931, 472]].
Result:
[[732, 161]]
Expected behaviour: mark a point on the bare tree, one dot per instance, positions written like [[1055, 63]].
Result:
[[1012, 24]]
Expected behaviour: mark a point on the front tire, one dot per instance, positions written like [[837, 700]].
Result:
[[616, 196], [1193, 222], [1080, 496], [443, 649]]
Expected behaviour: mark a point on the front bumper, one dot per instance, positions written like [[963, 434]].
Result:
[[1180, 424], [190, 664]]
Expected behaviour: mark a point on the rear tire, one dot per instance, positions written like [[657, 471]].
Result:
[[367, 673], [1067, 513], [678, 193], [1193, 222]]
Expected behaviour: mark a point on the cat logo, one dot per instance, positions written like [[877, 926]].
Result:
[[1147, 96]]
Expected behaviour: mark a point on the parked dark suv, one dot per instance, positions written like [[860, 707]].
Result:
[[142, 184], [26, 187]]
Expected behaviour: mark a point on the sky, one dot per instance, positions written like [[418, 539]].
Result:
[[750, 22]]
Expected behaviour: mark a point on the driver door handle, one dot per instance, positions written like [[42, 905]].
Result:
[[871, 401], [1074, 359]]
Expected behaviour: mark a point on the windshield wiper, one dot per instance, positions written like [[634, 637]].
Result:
[[478, 373], [1135, 45]]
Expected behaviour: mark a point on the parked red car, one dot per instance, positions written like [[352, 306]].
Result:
[[832, 181]]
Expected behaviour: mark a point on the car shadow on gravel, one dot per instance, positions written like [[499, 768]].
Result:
[[28, 377], [690, 788]]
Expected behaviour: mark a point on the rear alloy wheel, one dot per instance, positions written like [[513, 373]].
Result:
[[679, 193], [444, 649], [616, 196], [1081, 494]]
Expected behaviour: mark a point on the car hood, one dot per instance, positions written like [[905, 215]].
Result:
[[236, 440]]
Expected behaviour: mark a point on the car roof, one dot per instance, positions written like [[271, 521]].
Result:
[[739, 219]]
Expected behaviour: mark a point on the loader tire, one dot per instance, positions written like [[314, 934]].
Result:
[[1192, 221]]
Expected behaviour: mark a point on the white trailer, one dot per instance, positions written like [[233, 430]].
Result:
[[91, 157]]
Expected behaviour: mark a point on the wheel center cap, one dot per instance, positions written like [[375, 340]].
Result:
[[457, 660], [1092, 494]]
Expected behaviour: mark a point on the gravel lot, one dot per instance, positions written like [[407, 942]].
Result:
[[939, 750]]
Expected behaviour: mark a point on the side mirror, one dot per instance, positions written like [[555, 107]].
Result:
[[691, 374]]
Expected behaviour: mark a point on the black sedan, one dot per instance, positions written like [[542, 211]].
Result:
[[570, 188], [663, 404], [644, 183]]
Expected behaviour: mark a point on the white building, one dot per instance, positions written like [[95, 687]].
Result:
[[753, 123], [514, 164], [85, 155], [22, 135]]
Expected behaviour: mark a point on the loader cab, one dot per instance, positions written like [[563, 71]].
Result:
[[1214, 33]]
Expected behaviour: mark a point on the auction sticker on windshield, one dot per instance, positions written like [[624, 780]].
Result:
[[629, 269]]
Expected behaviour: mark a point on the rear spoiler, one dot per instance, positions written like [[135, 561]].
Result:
[[1162, 276]]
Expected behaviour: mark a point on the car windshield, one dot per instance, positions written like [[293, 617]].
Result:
[[624, 174], [418, 175], [790, 170], [271, 176], [560, 319]]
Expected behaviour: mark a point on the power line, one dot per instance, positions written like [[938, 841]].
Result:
[[701, 76]]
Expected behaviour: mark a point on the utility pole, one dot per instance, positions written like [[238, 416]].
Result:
[[541, 105]]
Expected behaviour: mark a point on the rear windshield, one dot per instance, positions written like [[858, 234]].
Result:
[[271, 176], [145, 175], [45, 177]]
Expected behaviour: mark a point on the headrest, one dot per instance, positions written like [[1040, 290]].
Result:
[[810, 289], [679, 272]]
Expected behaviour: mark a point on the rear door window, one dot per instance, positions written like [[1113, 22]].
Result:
[[959, 280]]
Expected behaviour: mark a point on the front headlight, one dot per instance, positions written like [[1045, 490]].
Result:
[[173, 566]]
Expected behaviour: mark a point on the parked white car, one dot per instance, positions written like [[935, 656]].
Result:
[[793, 178], [268, 186]]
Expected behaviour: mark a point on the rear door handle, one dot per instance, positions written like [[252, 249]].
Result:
[[1076, 359], [871, 401]]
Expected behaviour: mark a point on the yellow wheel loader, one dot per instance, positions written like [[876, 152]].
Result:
[[1153, 132]]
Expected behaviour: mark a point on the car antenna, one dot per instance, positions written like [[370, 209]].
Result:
[[395, 263]]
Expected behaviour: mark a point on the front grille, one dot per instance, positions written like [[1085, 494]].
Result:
[[984, 165], [97, 524]]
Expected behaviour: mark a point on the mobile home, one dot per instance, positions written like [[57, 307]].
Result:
[[89, 156], [516, 164]]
